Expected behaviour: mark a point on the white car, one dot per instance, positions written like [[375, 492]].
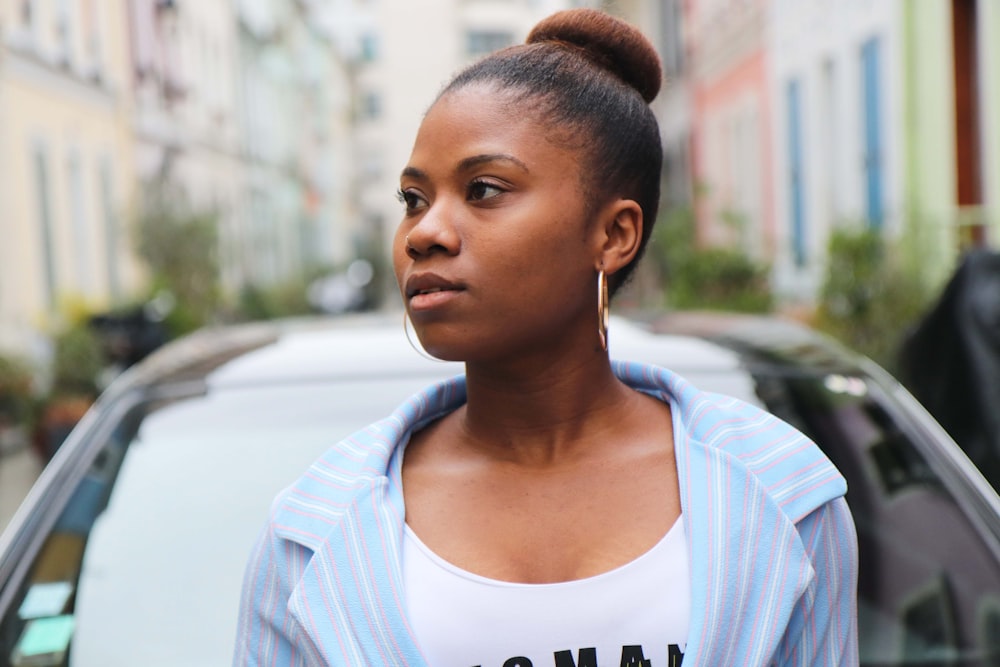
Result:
[[130, 548]]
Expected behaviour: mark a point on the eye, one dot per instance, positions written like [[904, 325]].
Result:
[[479, 190], [410, 199]]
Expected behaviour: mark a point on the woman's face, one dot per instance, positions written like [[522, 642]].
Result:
[[500, 260]]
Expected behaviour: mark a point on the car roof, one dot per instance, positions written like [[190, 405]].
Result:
[[372, 344], [764, 342]]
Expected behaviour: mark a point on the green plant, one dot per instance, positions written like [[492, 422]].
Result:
[[867, 300], [16, 390], [180, 246], [718, 278], [721, 279], [77, 363], [268, 302]]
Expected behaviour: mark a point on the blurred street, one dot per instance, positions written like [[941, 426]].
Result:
[[18, 471]]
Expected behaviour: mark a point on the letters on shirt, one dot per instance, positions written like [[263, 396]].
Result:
[[632, 656]]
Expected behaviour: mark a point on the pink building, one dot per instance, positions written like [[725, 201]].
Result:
[[732, 160]]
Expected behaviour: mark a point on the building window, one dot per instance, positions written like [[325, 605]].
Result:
[[91, 26], [27, 25], [481, 42], [870, 77], [27, 14], [371, 106], [111, 240], [369, 47], [796, 180], [671, 38], [81, 227], [45, 225], [830, 138], [64, 32]]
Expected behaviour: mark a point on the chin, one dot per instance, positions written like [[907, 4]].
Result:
[[442, 342], [447, 350]]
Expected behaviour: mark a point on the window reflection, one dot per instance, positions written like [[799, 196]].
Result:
[[40, 632], [925, 574]]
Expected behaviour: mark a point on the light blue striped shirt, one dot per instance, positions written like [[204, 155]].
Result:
[[772, 546]]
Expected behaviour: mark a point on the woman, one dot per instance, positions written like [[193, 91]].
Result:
[[550, 507]]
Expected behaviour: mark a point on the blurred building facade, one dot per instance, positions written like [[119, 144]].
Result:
[[951, 117], [663, 22], [185, 122], [241, 109], [731, 125], [295, 90], [781, 121], [65, 162], [809, 115], [838, 156]]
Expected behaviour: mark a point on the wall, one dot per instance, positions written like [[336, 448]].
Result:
[[64, 104]]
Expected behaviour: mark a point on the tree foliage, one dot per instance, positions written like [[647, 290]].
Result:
[[180, 246], [715, 277], [77, 362], [16, 389], [867, 300]]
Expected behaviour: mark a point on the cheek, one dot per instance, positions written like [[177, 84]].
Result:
[[400, 259], [549, 269]]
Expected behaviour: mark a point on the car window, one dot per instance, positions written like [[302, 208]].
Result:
[[144, 565], [929, 586]]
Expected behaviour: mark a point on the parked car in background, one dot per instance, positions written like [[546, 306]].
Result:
[[130, 548]]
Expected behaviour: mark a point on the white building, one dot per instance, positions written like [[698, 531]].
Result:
[[241, 108], [405, 53], [187, 134], [295, 91], [65, 165], [839, 128], [662, 21]]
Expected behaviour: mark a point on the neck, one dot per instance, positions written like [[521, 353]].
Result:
[[545, 414]]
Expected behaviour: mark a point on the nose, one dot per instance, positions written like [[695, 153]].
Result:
[[434, 232]]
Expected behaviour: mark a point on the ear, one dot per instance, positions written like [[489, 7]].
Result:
[[619, 234]]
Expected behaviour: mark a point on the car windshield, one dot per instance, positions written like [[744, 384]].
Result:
[[144, 564]]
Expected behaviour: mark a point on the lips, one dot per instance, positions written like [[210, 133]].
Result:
[[432, 290], [427, 290]]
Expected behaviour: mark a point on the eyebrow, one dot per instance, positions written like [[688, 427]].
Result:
[[468, 163], [413, 172], [476, 160]]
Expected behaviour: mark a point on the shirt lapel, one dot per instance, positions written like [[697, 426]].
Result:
[[350, 599], [748, 565]]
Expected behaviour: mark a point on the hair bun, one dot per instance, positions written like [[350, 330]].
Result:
[[614, 44]]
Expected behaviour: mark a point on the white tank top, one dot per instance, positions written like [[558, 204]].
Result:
[[635, 615]]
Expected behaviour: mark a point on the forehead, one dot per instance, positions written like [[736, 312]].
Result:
[[480, 120]]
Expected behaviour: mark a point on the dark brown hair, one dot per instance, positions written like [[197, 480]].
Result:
[[590, 76]]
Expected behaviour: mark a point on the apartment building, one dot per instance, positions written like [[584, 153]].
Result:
[[65, 163], [889, 117], [239, 109]]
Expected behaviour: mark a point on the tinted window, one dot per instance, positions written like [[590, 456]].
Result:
[[929, 587]]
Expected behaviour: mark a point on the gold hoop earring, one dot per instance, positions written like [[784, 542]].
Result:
[[416, 348], [603, 309]]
